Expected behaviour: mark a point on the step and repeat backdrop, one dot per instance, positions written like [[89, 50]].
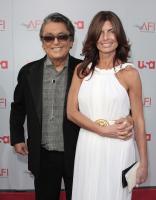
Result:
[[20, 22]]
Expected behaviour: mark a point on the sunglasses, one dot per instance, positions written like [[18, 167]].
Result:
[[60, 38]]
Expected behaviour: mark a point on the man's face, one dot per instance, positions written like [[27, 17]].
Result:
[[56, 41]]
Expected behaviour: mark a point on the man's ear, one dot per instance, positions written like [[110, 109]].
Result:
[[71, 44], [43, 46]]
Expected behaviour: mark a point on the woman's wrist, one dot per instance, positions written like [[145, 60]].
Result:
[[144, 163]]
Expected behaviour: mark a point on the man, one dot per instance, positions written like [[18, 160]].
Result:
[[41, 95]]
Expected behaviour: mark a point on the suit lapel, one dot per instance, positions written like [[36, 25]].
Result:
[[71, 67], [73, 62], [70, 73], [35, 80]]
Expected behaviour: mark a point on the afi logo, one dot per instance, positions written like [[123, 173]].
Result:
[[33, 25], [3, 64], [4, 172], [148, 136], [2, 25], [146, 64], [147, 27], [2, 103], [79, 24], [147, 101], [5, 139]]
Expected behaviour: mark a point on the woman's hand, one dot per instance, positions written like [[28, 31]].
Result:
[[142, 173]]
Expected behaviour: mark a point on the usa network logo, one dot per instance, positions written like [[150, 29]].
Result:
[[79, 24], [150, 64], [5, 139], [148, 136], [3, 64], [32, 25], [149, 27], [2, 25]]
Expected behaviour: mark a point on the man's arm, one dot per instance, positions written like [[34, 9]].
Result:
[[18, 112], [125, 126]]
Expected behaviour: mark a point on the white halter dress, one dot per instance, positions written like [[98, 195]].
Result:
[[99, 161]]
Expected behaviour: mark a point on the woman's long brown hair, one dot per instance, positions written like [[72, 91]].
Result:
[[90, 51]]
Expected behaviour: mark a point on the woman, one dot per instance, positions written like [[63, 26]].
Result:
[[105, 88]]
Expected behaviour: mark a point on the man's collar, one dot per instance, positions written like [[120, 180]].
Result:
[[48, 62]]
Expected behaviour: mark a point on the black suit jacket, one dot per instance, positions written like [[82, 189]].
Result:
[[28, 104]]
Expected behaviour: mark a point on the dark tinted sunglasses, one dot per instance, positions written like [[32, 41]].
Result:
[[60, 38]]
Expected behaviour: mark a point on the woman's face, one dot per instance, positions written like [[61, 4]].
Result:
[[107, 42]]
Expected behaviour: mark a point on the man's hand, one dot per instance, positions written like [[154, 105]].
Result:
[[125, 127], [21, 148]]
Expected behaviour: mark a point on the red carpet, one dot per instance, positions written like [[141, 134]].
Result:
[[138, 194]]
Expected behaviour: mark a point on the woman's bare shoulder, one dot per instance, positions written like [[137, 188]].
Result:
[[131, 76], [131, 71]]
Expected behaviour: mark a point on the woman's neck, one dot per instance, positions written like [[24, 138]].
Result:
[[107, 61]]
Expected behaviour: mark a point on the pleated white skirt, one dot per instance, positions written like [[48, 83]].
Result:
[[99, 163]]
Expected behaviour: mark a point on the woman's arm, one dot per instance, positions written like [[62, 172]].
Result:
[[135, 94], [81, 120]]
